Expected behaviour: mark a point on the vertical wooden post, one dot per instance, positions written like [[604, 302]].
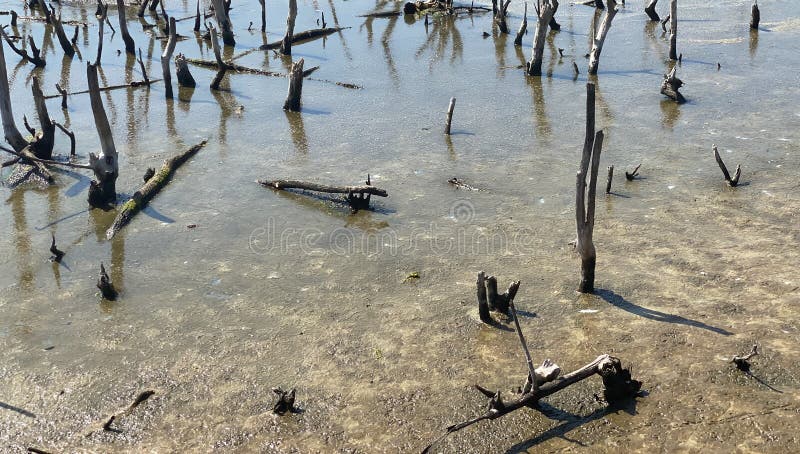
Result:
[[264, 16], [449, 120], [600, 37], [101, 19], [585, 209], [755, 15], [286, 45], [198, 18], [673, 29], [650, 10], [185, 78], [166, 58], [483, 302], [295, 87], [609, 178], [544, 11], [66, 46], [222, 67]]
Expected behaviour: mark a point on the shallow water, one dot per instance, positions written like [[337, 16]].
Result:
[[281, 289]]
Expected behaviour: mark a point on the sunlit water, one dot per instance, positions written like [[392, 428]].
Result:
[[281, 289]]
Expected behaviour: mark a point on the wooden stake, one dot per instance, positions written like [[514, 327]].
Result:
[[263, 16], [102, 15], [585, 209], [55, 21], [600, 37], [224, 22], [197, 19], [449, 119], [483, 303]]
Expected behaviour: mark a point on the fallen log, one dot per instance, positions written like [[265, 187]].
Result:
[[298, 38], [357, 196], [149, 190]]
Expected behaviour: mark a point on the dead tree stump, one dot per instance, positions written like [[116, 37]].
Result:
[[673, 29], [755, 16], [545, 11], [130, 47], [102, 15], [600, 37], [483, 302], [263, 16], [523, 26], [650, 10], [449, 119], [185, 78], [585, 209], [286, 44], [63, 40], [222, 67], [166, 58], [224, 22], [670, 86], [292, 103], [500, 16], [107, 290], [732, 182], [103, 190], [609, 178], [555, 26]]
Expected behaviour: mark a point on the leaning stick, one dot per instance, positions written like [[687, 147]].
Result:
[[731, 181], [142, 196], [295, 184]]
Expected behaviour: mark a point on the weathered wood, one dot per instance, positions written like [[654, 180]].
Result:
[[185, 78], [732, 182], [58, 26], [222, 67], [224, 22], [609, 178], [166, 58], [483, 302], [630, 176], [673, 29], [42, 143], [264, 16], [500, 16], [197, 19], [142, 7], [585, 209], [130, 47], [523, 26], [743, 362], [285, 401], [286, 44], [600, 37], [650, 10], [301, 37], [670, 86], [755, 15], [63, 94], [292, 102], [10, 131], [149, 190], [449, 118], [36, 59], [296, 184], [57, 253], [555, 26], [544, 12], [69, 134], [110, 293], [141, 65], [102, 191], [102, 15]]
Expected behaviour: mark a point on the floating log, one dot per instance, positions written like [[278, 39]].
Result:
[[732, 182], [523, 26], [630, 176], [650, 10], [600, 37], [286, 44], [110, 293], [149, 190], [673, 29], [301, 37], [670, 86], [449, 119], [292, 102], [755, 15], [585, 209], [544, 12]]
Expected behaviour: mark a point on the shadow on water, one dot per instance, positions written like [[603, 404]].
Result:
[[569, 422], [21, 411], [620, 302]]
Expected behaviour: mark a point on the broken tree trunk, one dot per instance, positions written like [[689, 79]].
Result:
[[673, 29], [650, 10], [286, 44], [585, 209], [42, 142], [600, 37], [153, 185], [670, 86], [166, 58], [755, 16], [63, 40], [37, 59], [357, 196], [555, 26], [102, 10], [732, 182], [142, 7], [224, 22], [110, 293], [10, 131], [522, 27], [500, 16], [609, 178], [197, 19], [300, 37], [449, 120], [185, 78], [544, 12], [263, 16], [483, 302], [222, 67], [292, 102], [130, 47], [103, 190]]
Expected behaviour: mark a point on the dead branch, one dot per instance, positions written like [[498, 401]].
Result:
[[149, 190], [36, 58], [732, 182], [102, 15], [673, 29], [632, 175], [670, 86], [523, 26], [130, 46], [742, 362], [599, 39], [222, 67], [58, 26], [302, 37], [296, 184], [57, 253], [449, 118], [28, 156]]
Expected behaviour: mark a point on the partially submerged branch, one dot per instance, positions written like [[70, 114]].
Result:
[[732, 182], [357, 196]]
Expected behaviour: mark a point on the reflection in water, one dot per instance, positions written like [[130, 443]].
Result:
[[604, 108], [298, 131], [387, 52], [173, 132], [500, 42], [66, 66], [450, 150], [753, 42], [227, 104], [100, 221], [444, 29], [341, 35], [670, 112], [655, 43], [543, 129], [109, 99], [185, 97], [21, 240]]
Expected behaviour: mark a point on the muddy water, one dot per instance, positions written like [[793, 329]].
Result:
[[280, 289]]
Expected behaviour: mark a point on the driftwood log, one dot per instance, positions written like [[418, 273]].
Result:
[[357, 196], [286, 44], [732, 182], [301, 37], [545, 9], [149, 190], [600, 37], [585, 209], [292, 102], [544, 381], [670, 86], [650, 10]]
